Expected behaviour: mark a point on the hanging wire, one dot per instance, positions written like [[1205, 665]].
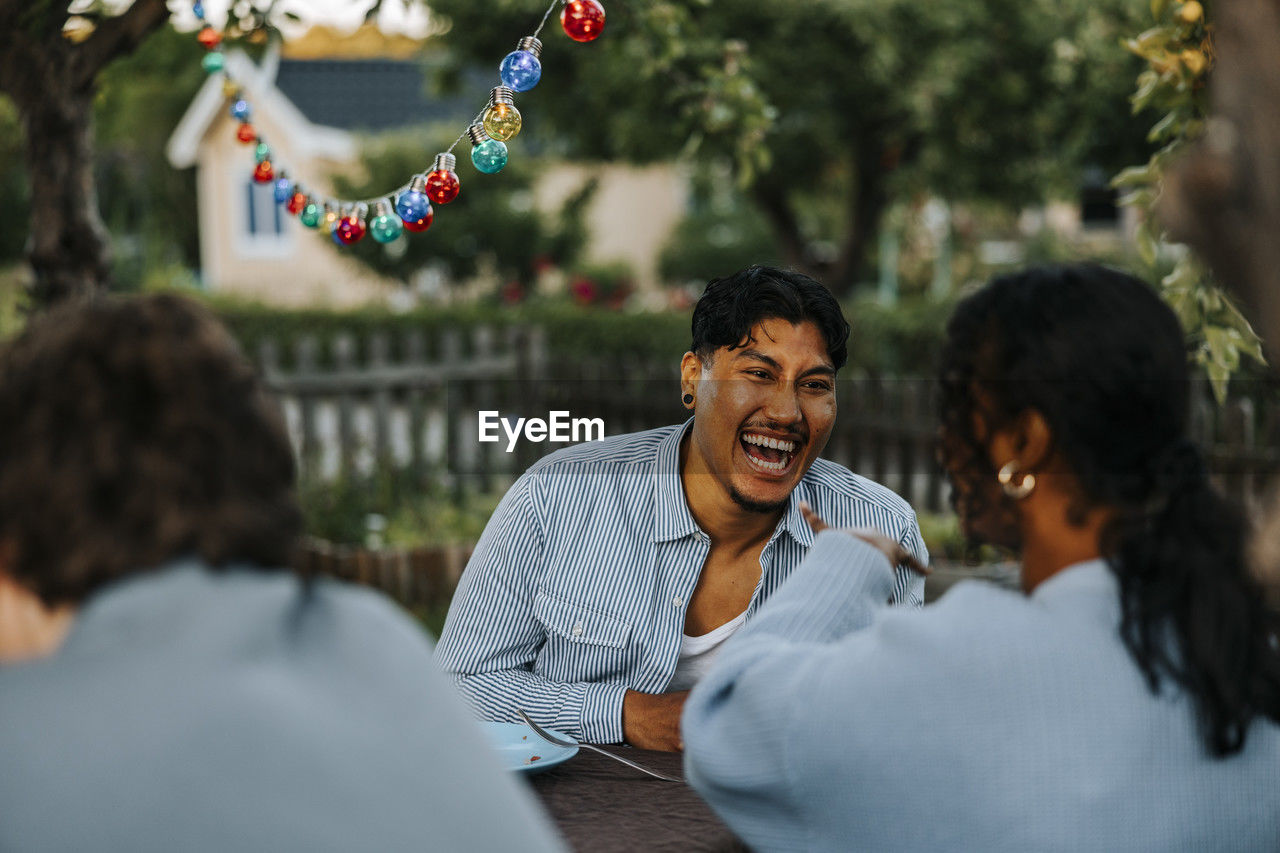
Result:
[[339, 204], [550, 9]]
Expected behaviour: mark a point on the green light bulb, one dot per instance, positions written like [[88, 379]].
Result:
[[310, 215]]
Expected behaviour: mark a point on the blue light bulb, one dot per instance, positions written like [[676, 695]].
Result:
[[240, 110], [284, 190], [198, 8], [521, 69], [413, 205]]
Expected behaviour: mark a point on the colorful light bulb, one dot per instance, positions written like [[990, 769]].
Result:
[[213, 62], [521, 69], [262, 151], [284, 188], [230, 89], [198, 8], [582, 20], [330, 217], [240, 110], [311, 213], [487, 155], [246, 133], [209, 37], [442, 181], [263, 173], [385, 225], [502, 119], [352, 228], [413, 206], [297, 202]]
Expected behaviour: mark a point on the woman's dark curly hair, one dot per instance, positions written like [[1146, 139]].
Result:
[[1104, 361], [135, 432], [731, 306]]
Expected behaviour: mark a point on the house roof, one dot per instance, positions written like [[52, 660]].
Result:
[[318, 104], [368, 94]]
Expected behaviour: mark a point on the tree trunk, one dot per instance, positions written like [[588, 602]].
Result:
[[1225, 198], [51, 80], [865, 204], [67, 247]]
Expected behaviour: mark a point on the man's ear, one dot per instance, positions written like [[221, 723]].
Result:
[[690, 373]]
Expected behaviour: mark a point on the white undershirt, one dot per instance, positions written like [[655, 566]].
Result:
[[697, 653]]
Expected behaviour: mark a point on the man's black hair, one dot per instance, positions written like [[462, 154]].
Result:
[[731, 306]]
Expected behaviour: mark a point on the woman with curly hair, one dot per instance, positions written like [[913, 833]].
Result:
[[1128, 698]]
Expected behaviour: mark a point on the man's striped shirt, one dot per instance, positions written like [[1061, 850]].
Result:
[[577, 590]]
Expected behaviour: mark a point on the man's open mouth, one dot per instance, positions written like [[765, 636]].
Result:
[[767, 454]]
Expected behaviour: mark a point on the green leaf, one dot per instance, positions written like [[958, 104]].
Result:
[[1134, 176]]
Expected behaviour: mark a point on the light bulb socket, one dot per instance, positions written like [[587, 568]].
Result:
[[478, 134], [360, 211], [418, 184], [532, 45], [445, 162], [381, 207], [502, 95]]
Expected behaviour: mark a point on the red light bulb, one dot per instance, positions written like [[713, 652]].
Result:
[[296, 202], [583, 20], [442, 183], [417, 226], [245, 133], [264, 172], [210, 38], [351, 228]]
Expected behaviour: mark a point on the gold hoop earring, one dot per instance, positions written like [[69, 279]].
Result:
[[1019, 491]]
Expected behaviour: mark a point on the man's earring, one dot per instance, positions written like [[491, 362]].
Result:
[[1021, 490], [688, 399]]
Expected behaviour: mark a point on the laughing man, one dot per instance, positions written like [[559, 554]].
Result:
[[613, 570]]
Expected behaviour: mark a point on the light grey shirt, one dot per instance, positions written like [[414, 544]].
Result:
[[988, 721], [214, 711]]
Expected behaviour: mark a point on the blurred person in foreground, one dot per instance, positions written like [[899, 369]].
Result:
[[164, 683], [1128, 700], [612, 572]]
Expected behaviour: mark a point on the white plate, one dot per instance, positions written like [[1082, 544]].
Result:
[[520, 749]]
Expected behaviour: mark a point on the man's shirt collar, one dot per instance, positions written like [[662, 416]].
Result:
[[671, 517]]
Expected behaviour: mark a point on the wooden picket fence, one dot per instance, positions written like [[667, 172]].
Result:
[[412, 403]]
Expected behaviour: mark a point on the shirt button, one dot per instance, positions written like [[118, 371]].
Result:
[[677, 601], [577, 629]]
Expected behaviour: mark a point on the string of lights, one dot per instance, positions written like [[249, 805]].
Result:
[[410, 207]]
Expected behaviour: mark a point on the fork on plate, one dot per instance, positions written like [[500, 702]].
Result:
[[550, 738]]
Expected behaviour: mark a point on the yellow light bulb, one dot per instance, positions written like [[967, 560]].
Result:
[[502, 121]]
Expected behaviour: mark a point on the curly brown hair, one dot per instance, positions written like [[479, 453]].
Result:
[[134, 432]]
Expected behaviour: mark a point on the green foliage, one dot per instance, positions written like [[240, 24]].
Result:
[[392, 509], [14, 187], [904, 338], [13, 304], [827, 108], [1178, 52], [721, 233], [149, 207], [945, 541], [491, 226]]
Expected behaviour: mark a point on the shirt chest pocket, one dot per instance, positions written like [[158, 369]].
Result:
[[580, 625]]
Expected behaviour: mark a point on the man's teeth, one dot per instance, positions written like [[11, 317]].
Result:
[[775, 443]]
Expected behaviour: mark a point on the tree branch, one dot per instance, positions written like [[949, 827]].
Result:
[[116, 36]]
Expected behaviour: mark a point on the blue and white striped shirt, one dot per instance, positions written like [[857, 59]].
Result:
[[577, 590]]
